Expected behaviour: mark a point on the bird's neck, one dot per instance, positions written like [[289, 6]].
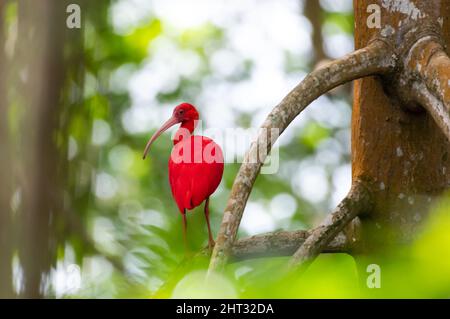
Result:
[[186, 129]]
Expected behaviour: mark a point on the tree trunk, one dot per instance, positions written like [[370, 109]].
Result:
[[6, 242], [400, 151], [40, 54]]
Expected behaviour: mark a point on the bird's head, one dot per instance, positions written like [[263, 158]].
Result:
[[184, 113]]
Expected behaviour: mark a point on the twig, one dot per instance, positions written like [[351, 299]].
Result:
[[376, 58], [356, 202]]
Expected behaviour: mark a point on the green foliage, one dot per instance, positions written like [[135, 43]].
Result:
[[313, 134], [339, 21], [420, 270]]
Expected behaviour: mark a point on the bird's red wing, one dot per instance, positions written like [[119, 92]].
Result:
[[180, 179], [192, 182]]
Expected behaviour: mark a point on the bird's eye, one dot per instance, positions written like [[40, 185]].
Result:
[[180, 112]]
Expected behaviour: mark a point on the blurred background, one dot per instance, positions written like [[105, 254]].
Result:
[[82, 215]]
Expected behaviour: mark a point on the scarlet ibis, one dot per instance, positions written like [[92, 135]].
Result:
[[195, 164]]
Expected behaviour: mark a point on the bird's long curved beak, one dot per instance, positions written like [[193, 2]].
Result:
[[169, 123]]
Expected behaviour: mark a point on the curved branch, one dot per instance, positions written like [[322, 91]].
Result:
[[433, 105], [429, 66], [376, 58], [357, 201], [436, 76], [437, 79]]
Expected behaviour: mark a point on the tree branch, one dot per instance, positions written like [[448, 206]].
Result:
[[436, 73], [356, 202], [376, 58], [428, 67], [282, 243], [433, 105]]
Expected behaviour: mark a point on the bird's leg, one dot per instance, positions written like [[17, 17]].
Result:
[[211, 242], [186, 246]]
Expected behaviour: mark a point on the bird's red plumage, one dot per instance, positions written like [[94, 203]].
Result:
[[194, 177], [195, 165]]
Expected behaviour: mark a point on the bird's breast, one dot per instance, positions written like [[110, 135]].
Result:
[[195, 170], [196, 150]]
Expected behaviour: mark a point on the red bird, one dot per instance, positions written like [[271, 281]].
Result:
[[195, 164]]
